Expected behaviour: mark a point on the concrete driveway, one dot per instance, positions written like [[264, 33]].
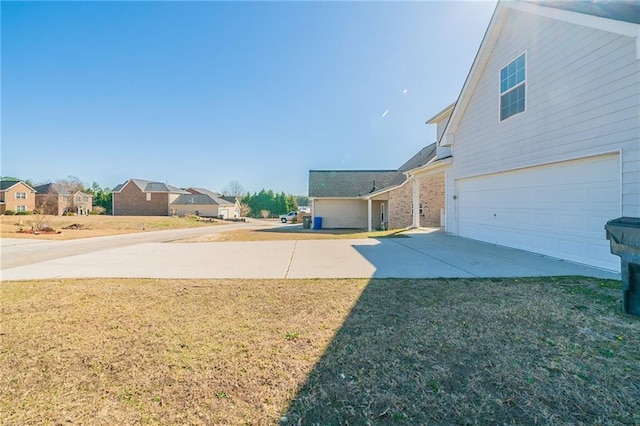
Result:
[[425, 254]]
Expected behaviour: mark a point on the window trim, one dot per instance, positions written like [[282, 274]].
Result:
[[523, 83], [21, 198], [21, 208]]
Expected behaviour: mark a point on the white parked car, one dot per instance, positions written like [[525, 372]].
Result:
[[289, 217]]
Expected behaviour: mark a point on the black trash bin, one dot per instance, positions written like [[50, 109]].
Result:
[[623, 234], [306, 222]]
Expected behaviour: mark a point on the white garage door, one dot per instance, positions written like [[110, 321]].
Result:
[[559, 210]]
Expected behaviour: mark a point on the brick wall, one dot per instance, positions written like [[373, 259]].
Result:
[[12, 203], [431, 198], [131, 201]]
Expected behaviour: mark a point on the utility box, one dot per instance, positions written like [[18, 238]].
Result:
[[623, 234]]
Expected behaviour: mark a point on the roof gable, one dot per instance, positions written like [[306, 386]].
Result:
[[217, 198], [150, 186], [351, 183], [571, 12], [8, 184]]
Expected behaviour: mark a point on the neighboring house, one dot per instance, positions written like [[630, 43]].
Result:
[[57, 199], [205, 203], [16, 196], [369, 199], [139, 197], [543, 144]]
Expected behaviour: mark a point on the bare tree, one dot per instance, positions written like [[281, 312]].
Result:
[[233, 189], [66, 188]]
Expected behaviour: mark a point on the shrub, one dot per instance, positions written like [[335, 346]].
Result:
[[9, 212], [68, 214], [98, 210], [23, 213]]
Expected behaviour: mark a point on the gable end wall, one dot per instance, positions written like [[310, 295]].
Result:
[[582, 98], [130, 201]]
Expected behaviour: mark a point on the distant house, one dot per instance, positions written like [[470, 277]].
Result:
[[543, 145], [139, 197], [370, 199], [16, 196], [58, 199], [204, 203]]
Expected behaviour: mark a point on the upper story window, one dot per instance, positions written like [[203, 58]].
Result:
[[148, 196], [512, 88], [21, 195]]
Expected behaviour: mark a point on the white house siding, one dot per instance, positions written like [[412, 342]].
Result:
[[582, 99], [341, 213]]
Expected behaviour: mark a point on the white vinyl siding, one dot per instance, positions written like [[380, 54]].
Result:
[[341, 213], [582, 100]]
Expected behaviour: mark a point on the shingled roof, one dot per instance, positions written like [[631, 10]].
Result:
[[6, 184], [214, 196], [198, 199], [359, 183], [421, 158], [149, 186], [351, 183]]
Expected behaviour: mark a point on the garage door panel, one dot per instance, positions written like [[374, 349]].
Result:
[[558, 210]]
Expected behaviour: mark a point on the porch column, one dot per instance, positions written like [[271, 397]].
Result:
[[416, 202], [369, 214]]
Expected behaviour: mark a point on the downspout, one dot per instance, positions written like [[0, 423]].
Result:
[[369, 214]]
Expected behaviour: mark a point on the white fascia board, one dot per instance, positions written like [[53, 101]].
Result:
[[441, 114], [382, 191], [596, 22], [599, 23], [429, 169], [480, 61]]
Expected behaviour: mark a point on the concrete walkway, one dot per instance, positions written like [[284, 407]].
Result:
[[425, 254]]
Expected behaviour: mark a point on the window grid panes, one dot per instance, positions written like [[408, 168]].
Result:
[[21, 208], [21, 195], [512, 88]]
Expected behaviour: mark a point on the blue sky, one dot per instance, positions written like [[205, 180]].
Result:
[[202, 93]]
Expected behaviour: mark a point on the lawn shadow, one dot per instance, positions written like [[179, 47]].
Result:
[[467, 351]]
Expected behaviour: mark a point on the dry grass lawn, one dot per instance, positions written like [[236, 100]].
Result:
[[93, 226], [526, 351], [290, 233]]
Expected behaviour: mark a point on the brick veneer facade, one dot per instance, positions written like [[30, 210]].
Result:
[[8, 200], [131, 201], [431, 198]]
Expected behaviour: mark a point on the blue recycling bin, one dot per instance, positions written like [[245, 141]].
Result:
[[317, 222]]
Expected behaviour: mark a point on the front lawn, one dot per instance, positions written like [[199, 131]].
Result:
[[516, 351], [75, 227]]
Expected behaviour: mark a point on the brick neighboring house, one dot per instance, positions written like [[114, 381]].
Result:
[[56, 199], [139, 197], [16, 196], [369, 199]]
